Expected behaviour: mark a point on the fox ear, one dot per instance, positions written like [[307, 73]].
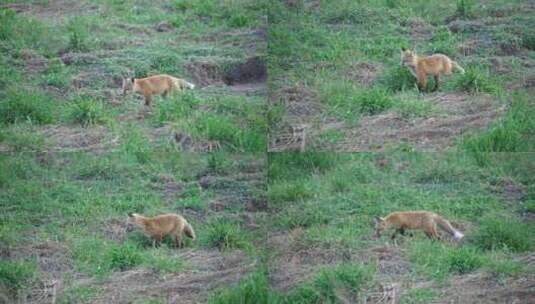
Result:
[[130, 214], [132, 79], [377, 219]]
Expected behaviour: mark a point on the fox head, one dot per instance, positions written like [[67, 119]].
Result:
[[380, 225], [128, 84], [131, 222], [408, 57]]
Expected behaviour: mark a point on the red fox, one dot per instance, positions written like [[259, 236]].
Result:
[[165, 224], [423, 220], [157, 84], [434, 65]]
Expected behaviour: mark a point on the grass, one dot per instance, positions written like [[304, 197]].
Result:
[[15, 276], [27, 106], [349, 53], [511, 134], [314, 209], [334, 208], [477, 80], [253, 289], [225, 235], [496, 232], [332, 285], [86, 112]]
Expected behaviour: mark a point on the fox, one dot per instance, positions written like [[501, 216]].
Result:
[[422, 220], [164, 224], [421, 66], [155, 85]]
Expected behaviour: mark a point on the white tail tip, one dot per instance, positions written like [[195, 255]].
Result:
[[457, 235]]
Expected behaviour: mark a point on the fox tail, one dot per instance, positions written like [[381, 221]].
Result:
[[188, 230], [181, 83], [457, 67], [444, 224]]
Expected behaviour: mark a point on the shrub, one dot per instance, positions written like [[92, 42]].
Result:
[[219, 163], [464, 260], [15, 276], [220, 128], [465, 9], [21, 105], [179, 107], [225, 235], [511, 134], [528, 40], [498, 232], [476, 80], [302, 216], [254, 289], [373, 101], [136, 144], [397, 78], [439, 260], [86, 112], [288, 192], [292, 165], [325, 288], [78, 35], [123, 257]]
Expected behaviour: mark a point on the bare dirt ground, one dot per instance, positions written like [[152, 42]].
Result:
[[456, 114], [295, 264], [207, 270]]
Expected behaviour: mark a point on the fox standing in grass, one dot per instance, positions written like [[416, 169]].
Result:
[[434, 65], [422, 220], [165, 224], [155, 85]]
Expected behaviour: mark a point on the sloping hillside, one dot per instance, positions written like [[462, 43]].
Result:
[[336, 83]]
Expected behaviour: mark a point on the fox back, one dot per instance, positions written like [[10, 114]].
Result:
[[160, 225], [156, 84], [422, 220]]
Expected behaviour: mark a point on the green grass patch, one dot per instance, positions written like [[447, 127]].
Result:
[[27, 106], [514, 133], [87, 111], [333, 284], [499, 232], [225, 235], [253, 289], [348, 101], [477, 80], [439, 261], [397, 78], [16, 276], [411, 107]]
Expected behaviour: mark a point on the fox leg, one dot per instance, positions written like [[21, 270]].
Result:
[[165, 93], [178, 240], [148, 99], [422, 82], [156, 240], [402, 232], [437, 78], [431, 232]]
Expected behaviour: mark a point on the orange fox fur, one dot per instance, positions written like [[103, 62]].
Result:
[[155, 85], [434, 65], [422, 220], [165, 224]]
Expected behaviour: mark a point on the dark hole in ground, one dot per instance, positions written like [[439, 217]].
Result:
[[253, 70]]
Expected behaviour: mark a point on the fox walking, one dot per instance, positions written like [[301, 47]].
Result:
[[435, 65], [155, 85], [421, 220], [165, 224]]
